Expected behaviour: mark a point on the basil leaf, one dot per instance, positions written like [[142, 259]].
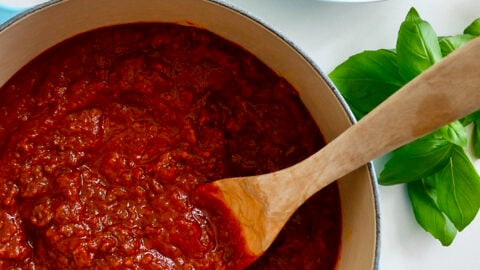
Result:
[[473, 28], [416, 160], [449, 44], [428, 215], [457, 187], [366, 79], [444, 200], [476, 138], [470, 118], [474, 120], [417, 46], [454, 133]]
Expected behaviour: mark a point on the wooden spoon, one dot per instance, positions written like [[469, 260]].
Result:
[[262, 204]]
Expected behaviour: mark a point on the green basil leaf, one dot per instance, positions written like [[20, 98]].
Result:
[[455, 133], [473, 28], [457, 188], [417, 46], [366, 79], [476, 138], [416, 160], [444, 200], [428, 215], [449, 44], [467, 120], [474, 120]]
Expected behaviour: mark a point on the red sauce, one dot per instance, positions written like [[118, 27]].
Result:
[[104, 138]]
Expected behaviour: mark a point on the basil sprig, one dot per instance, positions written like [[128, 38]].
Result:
[[442, 183]]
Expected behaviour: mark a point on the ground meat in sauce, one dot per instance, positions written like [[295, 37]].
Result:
[[104, 138]]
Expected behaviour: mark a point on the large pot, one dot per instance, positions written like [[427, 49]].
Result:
[[32, 32]]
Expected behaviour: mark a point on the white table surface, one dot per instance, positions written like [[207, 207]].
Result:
[[329, 33]]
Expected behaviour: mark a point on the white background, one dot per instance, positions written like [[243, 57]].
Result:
[[330, 32]]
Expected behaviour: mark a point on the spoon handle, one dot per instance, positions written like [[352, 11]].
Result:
[[445, 92]]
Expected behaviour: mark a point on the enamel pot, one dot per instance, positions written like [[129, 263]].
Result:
[[32, 32]]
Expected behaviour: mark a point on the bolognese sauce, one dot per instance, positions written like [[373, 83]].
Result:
[[104, 138]]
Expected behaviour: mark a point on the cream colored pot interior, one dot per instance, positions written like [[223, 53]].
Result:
[[32, 34]]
